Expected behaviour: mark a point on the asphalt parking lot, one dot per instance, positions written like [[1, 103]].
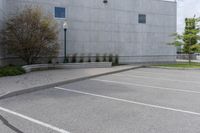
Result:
[[145, 100]]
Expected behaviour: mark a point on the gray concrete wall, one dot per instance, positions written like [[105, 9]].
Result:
[[95, 27]]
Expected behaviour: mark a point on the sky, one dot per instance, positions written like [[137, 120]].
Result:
[[186, 8]]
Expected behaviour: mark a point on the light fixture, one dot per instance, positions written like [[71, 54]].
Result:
[[65, 25]]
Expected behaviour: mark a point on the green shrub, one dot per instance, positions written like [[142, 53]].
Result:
[[50, 62], [81, 58], [104, 57], [89, 58], [66, 60], [116, 60], [110, 58], [74, 58], [11, 71], [97, 58]]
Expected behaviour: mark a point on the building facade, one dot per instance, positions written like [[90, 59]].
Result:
[[136, 30]]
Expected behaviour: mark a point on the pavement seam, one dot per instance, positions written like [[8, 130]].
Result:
[[47, 86], [6, 122], [34, 120]]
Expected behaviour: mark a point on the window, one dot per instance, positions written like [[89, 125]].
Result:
[[60, 12], [142, 19]]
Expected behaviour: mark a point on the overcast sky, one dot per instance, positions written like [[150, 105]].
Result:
[[186, 8]]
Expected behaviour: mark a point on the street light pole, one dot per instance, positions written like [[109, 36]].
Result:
[[65, 43], [65, 27]]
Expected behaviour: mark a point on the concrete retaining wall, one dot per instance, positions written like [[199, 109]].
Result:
[[29, 68]]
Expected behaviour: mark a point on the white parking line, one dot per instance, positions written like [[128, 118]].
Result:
[[132, 102], [145, 77], [34, 120], [147, 86]]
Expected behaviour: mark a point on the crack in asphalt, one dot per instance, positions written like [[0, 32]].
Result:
[[5, 122]]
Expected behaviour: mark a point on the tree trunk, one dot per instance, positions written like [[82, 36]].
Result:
[[189, 58], [189, 52]]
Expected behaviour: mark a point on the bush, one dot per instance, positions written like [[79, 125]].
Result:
[[31, 34], [97, 58], [89, 58], [116, 60], [50, 62], [104, 57], [67, 59], [11, 71], [74, 58], [110, 58], [81, 58]]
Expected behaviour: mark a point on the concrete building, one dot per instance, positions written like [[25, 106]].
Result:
[[136, 30]]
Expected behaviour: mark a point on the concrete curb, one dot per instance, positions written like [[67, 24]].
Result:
[[29, 90], [172, 68]]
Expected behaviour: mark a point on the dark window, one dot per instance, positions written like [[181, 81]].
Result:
[[142, 19], [60, 12]]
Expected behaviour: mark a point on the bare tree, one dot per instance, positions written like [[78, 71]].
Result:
[[31, 34]]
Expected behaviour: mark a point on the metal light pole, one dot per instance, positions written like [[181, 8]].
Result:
[[65, 27]]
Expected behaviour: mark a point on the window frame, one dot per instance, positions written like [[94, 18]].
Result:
[[143, 20], [54, 12]]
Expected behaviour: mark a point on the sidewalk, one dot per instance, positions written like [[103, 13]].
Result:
[[10, 86]]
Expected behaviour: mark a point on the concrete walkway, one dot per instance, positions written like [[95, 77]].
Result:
[[10, 86]]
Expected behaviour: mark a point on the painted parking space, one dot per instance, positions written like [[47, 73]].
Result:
[[83, 113], [97, 105], [181, 99], [179, 81]]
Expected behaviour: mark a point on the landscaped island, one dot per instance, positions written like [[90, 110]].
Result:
[[181, 65]]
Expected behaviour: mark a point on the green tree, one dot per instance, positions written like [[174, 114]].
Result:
[[189, 39], [31, 34]]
